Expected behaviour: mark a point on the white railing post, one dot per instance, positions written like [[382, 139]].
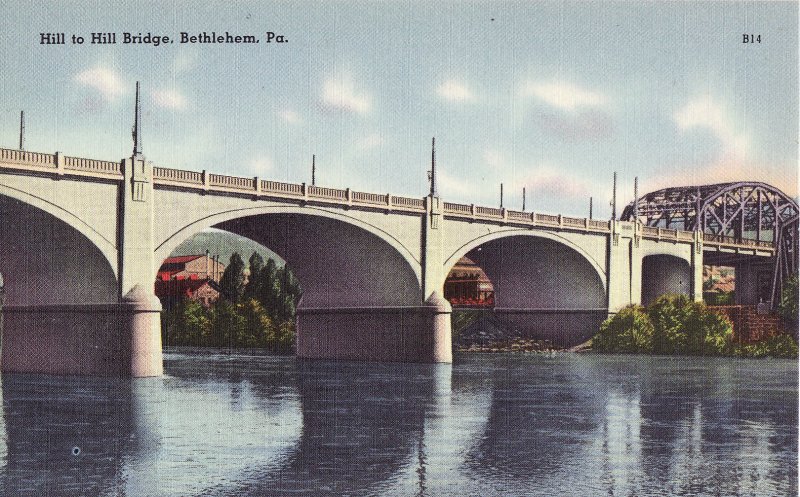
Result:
[[348, 194], [389, 200], [206, 180]]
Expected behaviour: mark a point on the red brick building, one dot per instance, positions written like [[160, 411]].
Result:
[[189, 276], [468, 286]]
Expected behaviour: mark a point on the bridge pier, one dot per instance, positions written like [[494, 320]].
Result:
[[386, 334], [107, 339]]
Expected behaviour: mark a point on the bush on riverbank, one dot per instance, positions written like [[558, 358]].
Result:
[[629, 331], [675, 325], [225, 324]]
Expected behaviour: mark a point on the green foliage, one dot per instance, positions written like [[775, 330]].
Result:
[[672, 324], [254, 282], [232, 281], [628, 331], [789, 296], [461, 318], [187, 323], [258, 314], [682, 326], [719, 298], [780, 346]]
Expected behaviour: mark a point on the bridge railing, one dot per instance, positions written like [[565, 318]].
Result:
[[327, 193], [729, 240], [165, 174], [277, 187], [23, 157], [57, 163], [411, 203]]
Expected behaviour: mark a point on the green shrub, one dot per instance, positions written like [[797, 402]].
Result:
[[669, 314], [629, 331], [682, 326], [780, 346], [789, 296]]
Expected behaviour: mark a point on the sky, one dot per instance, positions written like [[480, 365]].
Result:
[[552, 97]]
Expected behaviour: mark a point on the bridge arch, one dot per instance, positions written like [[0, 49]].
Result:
[[49, 257], [665, 273], [167, 245], [107, 248], [545, 286], [481, 240], [338, 260]]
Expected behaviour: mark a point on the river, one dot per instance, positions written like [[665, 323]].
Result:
[[490, 424]]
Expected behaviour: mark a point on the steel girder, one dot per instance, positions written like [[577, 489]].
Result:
[[742, 210]]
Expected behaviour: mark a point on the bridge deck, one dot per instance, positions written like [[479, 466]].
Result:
[[22, 162]]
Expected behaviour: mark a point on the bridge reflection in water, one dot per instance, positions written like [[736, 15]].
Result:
[[487, 425]]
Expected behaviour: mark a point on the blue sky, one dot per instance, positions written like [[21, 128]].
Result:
[[553, 96]]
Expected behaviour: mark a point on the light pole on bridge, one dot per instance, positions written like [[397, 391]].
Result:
[[22, 130], [432, 172]]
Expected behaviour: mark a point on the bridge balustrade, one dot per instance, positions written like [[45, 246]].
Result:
[[488, 211], [370, 198], [234, 182], [409, 202], [94, 165], [323, 192], [520, 216], [573, 222], [594, 224], [24, 157], [178, 175], [283, 188], [547, 219], [453, 208]]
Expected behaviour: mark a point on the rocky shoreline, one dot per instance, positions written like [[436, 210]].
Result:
[[486, 334]]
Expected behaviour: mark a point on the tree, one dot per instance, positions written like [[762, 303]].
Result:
[[188, 323], [232, 281], [259, 331], [227, 326], [251, 289]]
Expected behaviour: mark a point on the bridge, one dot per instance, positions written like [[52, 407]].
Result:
[[82, 240]]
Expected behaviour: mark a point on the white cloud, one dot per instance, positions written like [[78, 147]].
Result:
[[705, 112], [106, 81], [259, 166], [564, 96], [169, 99], [340, 94], [290, 116], [549, 180], [454, 91]]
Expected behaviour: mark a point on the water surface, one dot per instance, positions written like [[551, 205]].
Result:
[[490, 424]]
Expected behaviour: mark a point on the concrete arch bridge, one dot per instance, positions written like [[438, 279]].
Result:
[[82, 240]]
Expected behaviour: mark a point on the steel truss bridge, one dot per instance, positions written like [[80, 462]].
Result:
[[738, 212]]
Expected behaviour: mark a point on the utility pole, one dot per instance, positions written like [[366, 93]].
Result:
[[137, 123], [22, 130], [523, 199], [432, 172], [313, 170], [501, 195], [590, 207], [614, 198], [635, 198]]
